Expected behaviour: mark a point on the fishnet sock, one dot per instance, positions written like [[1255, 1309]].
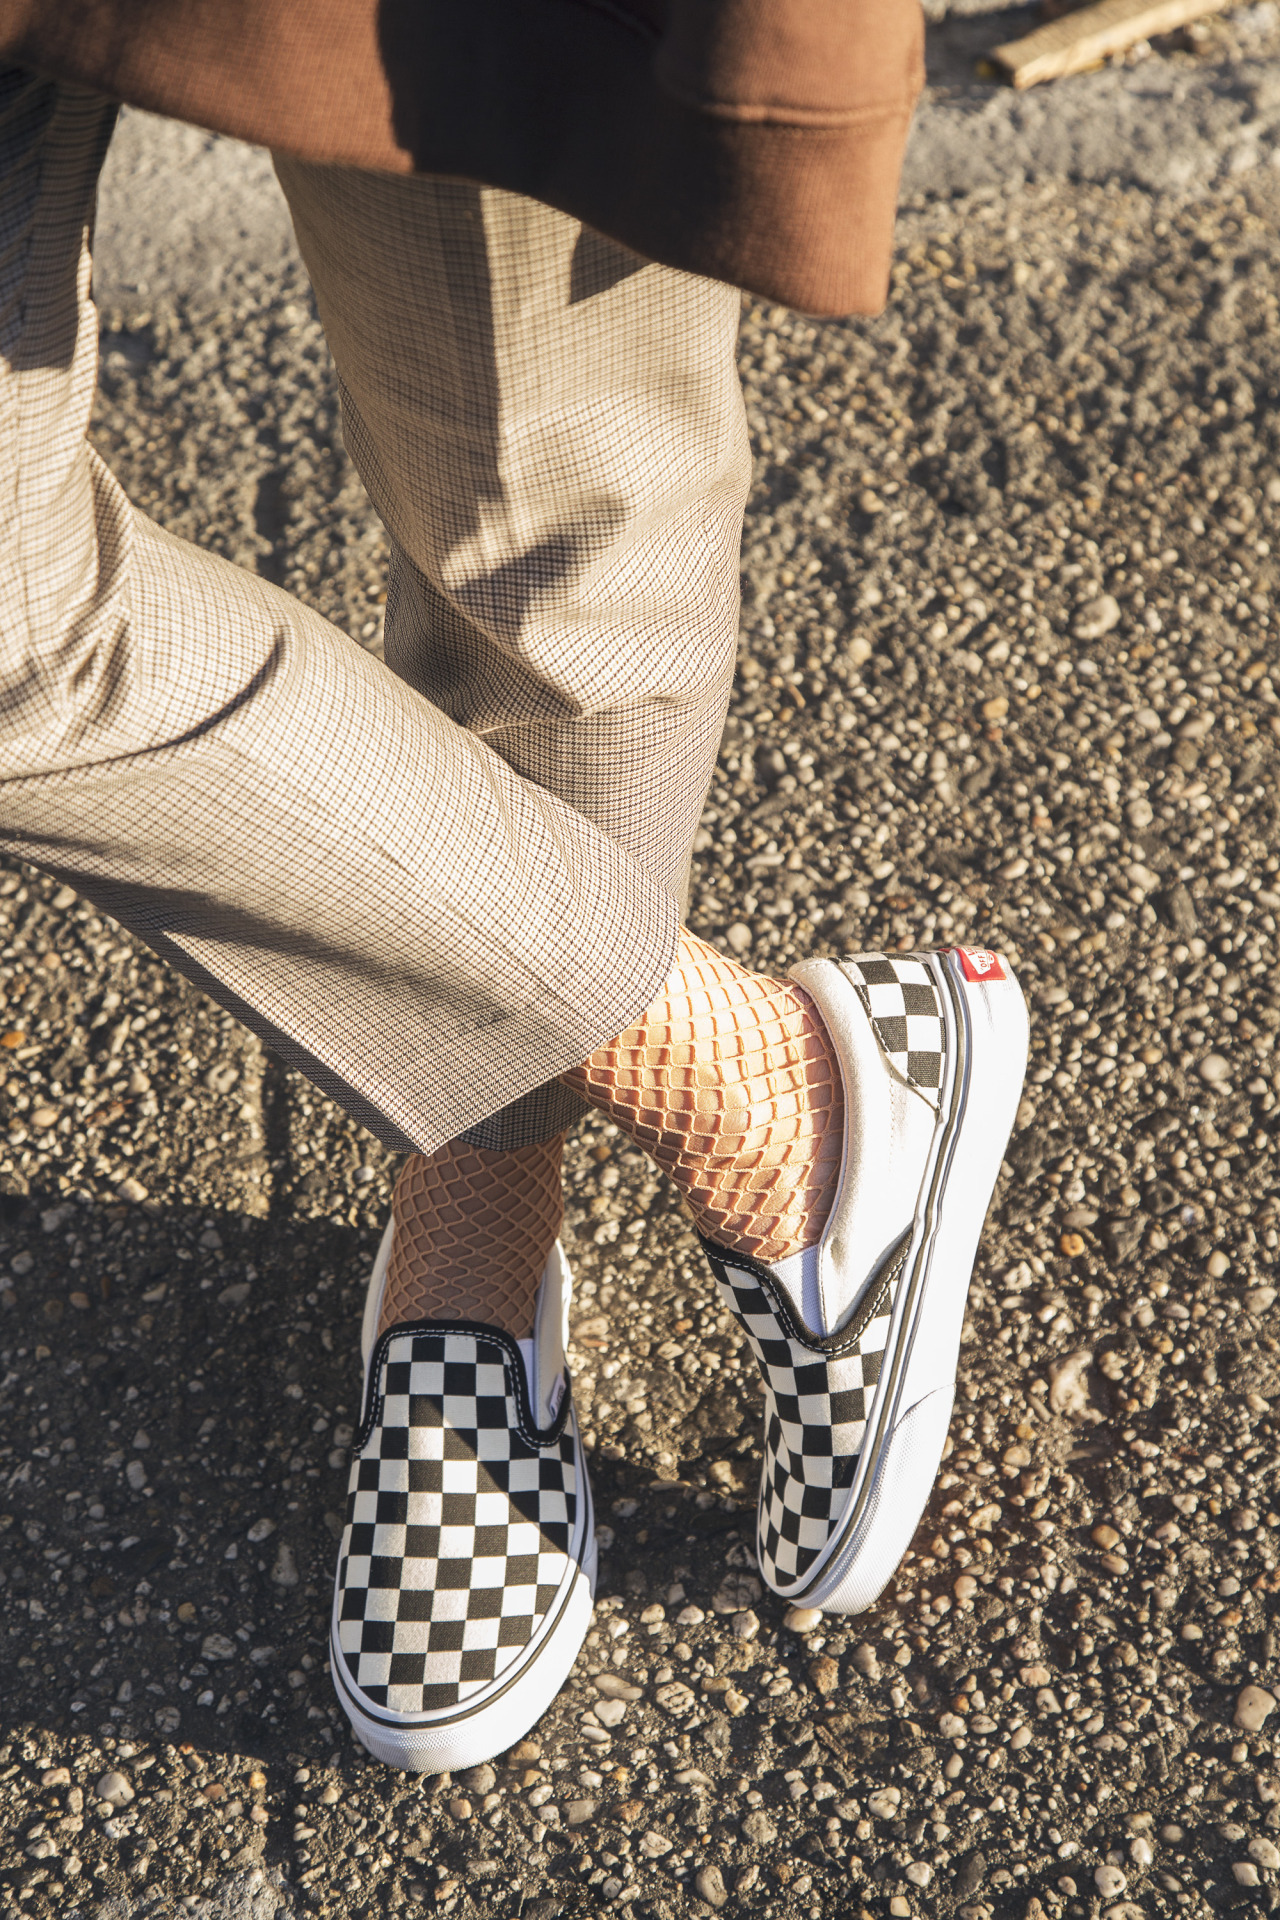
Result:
[[730, 1084], [473, 1230]]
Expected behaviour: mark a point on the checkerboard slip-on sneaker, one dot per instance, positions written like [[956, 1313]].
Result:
[[468, 1562], [858, 1338]]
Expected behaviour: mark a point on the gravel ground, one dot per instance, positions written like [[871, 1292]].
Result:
[[1007, 675]]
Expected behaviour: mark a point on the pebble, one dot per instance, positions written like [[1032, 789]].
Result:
[[115, 1789], [1215, 1069], [261, 1530], [867, 1661], [216, 1646], [612, 1686], [1260, 1299], [1068, 1385], [964, 1587], [460, 1808], [136, 1474], [884, 1803], [611, 1713], [1265, 1852], [759, 1829], [1105, 1536], [802, 1619], [1217, 1264], [1246, 1874], [1253, 1704], [654, 1844], [824, 1674], [478, 1779], [745, 1625], [1097, 617], [1109, 1881], [919, 1873], [578, 1812], [738, 937], [710, 1885], [284, 1572]]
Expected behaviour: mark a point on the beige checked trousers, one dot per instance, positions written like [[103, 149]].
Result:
[[432, 885]]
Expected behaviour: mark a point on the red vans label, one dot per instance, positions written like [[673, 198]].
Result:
[[976, 963]]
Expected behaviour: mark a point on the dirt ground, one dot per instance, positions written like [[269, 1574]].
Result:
[[1008, 674]]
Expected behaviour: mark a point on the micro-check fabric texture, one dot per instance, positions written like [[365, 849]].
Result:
[[436, 884]]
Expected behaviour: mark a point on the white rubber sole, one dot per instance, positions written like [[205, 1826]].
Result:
[[907, 1429], [493, 1720]]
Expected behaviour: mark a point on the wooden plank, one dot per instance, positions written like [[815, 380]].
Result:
[[1081, 40]]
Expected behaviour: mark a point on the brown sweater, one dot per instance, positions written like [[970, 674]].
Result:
[[758, 141]]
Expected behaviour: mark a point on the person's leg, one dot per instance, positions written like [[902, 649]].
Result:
[[553, 432], [367, 884]]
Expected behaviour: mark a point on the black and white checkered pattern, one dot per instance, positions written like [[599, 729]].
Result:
[[460, 1519], [902, 1004], [818, 1396]]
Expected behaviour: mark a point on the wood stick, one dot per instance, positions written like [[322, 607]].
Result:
[[1081, 40]]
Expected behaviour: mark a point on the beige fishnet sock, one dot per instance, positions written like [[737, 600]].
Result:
[[472, 1233], [729, 1082]]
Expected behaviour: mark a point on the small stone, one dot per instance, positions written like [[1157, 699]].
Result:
[[654, 1844], [1253, 1704], [867, 1661], [525, 1753], [56, 1777], [1105, 1536], [1265, 1852], [1141, 1851], [1246, 1874], [801, 1619], [824, 1674], [578, 1812], [612, 1686], [884, 1803], [900, 1907], [970, 1874], [710, 1885], [747, 1879], [964, 1587], [460, 1808], [21, 1263], [12, 1038], [1097, 617], [1109, 1881], [115, 1789], [1260, 1299], [216, 1646], [136, 1474], [735, 1703], [1068, 1383], [919, 1873], [745, 1625], [738, 937], [480, 1779], [759, 1829], [284, 1572], [1215, 1069], [44, 1117], [1217, 1264], [996, 708], [131, 1189], [611, 1713], [1072, 1244]]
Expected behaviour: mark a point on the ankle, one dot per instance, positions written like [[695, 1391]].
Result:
[[730, 1083], [473, 1232]]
